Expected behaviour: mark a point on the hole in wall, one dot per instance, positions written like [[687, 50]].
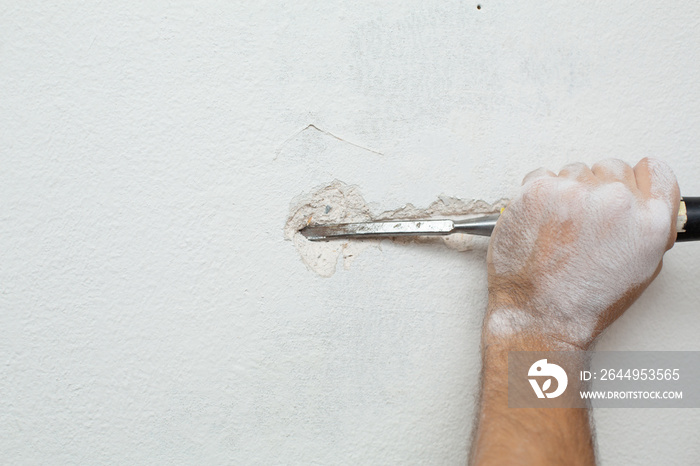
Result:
[[338, 202]]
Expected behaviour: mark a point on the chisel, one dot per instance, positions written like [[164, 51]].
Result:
[[687, 226]]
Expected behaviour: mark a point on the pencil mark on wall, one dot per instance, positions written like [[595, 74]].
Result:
[[328, 133]]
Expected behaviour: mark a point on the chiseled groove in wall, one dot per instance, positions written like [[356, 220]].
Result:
[[338, 202]]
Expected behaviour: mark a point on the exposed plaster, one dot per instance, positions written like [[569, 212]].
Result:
[[338, 202]]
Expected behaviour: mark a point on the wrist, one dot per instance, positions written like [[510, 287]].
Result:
[[520, 329], [500, 351]]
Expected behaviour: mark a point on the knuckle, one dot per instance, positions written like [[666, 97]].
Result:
[[539, 188], [611, 164], [536, 174], [573, 168]]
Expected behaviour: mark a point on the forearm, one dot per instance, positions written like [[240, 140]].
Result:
[[567, 257], [526, 436]]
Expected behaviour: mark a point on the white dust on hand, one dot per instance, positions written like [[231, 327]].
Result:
[[341, 203]]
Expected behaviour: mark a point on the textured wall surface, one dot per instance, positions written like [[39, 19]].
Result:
[[151, 309]]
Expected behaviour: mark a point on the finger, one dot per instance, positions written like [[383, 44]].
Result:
[[579, 172], [656, 180], [536, 174], [611, 170]]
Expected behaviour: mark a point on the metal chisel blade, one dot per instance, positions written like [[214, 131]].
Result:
[[379, 229]]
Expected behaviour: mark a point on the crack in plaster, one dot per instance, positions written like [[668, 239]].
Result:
[[338, 202], [312, 126]]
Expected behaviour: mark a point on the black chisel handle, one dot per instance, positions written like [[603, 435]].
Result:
[[691, 228]]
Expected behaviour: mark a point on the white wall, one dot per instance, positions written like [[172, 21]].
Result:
[[151, 309]]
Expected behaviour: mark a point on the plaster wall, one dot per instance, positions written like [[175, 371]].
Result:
[[151, 308]]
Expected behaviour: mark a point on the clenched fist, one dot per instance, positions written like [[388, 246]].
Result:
[[572, 252]]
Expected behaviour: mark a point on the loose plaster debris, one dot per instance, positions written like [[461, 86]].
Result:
[[342, 203]]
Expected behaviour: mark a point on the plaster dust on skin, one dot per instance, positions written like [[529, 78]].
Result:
[[338, 202], [594, 235]]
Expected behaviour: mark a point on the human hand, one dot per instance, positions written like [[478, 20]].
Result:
[[573, 251]]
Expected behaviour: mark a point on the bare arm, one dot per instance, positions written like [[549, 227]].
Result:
[[566, 259], [526, 436]]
